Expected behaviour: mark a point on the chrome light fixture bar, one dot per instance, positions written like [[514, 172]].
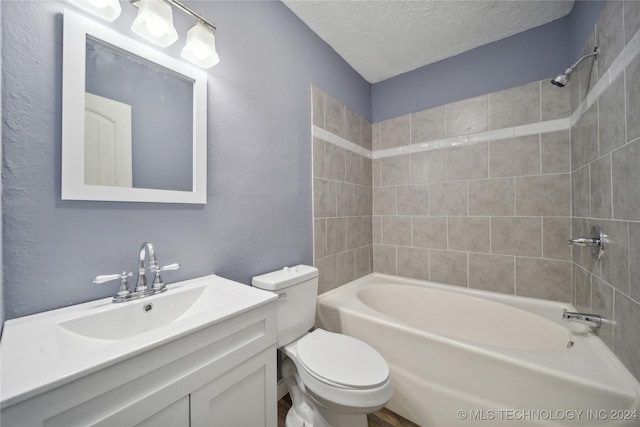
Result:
[[156, 24], [106, 9]]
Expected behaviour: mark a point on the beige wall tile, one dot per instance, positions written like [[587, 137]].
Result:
[[364, 261], [581, 289], [376, 229], [367, 230], [319, 238], [334, 116], [367, 172], [346, 267], [516, 106], [363, 200], [413, 262], [626, 176], [600, 184], [384, 259], [584, 139], [555, 153], [345, 202], [494, 273], [395, 132], [335, 165], [317, 96], [327, 273], [324, 198], [336, 235], [468, 162], [580, 197], [514, 156], [413, 200], [631, 10], [542, 278], [555, 102], [612, 117], [626, 337], [516, 236], [355, 236], [428, 125], [396, 230], [555, 234], [492, 197], [367, 134], [610, 35], [384, 201], [428, 166], [467, 116], [375, 173], [469, 234], [544, 195], [354, 167], [448, 198], [430, 232], [448, 267], [375, 136], [318, 158], [602, 304], [634, 256], [353, 128], [395, 170], [632, 76], [615, 263]]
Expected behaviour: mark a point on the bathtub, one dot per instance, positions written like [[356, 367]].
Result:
[[463, 357]]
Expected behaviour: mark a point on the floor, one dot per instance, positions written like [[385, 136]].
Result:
[[381, 418]]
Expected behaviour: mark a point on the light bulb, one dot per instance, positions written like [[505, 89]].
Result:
[[155, 27], [99, 3]]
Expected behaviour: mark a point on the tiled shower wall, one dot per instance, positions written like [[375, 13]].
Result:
[[492, 215], [341, 193], [496, 214], [605, 176]]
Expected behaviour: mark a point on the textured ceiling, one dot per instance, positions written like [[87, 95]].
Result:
[[381, 39]]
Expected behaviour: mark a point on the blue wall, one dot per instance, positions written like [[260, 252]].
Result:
[[259, 212], [536, 54]]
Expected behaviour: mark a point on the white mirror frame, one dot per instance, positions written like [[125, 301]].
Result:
[[76, 30]]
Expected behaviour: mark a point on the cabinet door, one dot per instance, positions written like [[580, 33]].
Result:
[[176, 415], [244, 396]]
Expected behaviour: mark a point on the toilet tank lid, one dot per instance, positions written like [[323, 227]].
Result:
[[285, 277]]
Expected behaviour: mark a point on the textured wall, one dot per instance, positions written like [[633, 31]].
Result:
[[259, 211], [605, 173]]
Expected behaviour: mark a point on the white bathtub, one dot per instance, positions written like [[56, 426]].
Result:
[[462, 357]]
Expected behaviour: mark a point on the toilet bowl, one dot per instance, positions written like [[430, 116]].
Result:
[[334, 380]]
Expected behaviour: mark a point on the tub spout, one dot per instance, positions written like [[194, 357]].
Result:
[[594, 321]]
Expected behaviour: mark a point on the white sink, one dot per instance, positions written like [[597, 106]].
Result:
[[48, 349]]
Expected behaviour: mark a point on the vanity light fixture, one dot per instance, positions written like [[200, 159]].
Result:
[[155, 22], [200, 47], [105, 9]]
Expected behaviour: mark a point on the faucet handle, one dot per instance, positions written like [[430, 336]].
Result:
[[173, 266], [158, 284], [124, 283]]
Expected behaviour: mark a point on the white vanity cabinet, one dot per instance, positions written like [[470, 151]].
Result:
[[221, 374]]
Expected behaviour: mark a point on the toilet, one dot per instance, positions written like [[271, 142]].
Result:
[[334, 380]]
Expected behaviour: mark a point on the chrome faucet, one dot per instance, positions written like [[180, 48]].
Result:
[[594, 321], [142, 289]]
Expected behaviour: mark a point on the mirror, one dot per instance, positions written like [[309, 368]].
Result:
[[133, 120]]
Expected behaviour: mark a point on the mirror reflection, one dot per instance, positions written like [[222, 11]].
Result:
[[138, 122]]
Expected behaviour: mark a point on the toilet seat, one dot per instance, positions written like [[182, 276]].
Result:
[[341, 361]]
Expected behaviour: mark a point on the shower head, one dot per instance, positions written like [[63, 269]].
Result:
[[561, 80]]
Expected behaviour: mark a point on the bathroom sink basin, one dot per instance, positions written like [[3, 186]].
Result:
[[118, 321], [48, 349]]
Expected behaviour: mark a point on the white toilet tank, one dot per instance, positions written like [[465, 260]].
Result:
[[297, 288]]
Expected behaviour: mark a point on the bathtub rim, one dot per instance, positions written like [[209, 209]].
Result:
[[582, 335]]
